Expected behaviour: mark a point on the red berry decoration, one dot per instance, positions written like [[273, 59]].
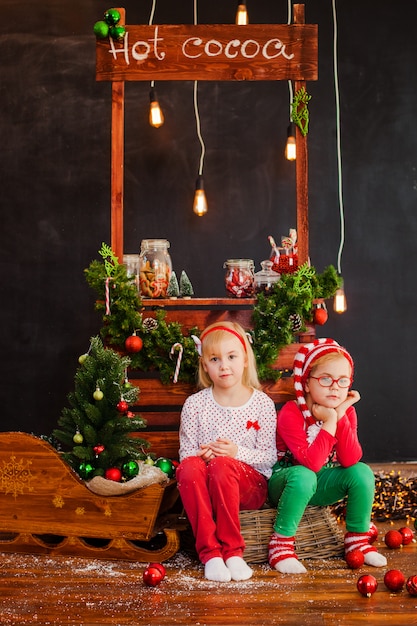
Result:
[[355, 559], [113, 473], [367, 585], [372, 533], [122, 406], [98, 449], [153, 575], [411, 585], [394, 579], [134, 343], [407, 535], [393, 539]]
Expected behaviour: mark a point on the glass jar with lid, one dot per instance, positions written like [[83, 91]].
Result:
[[155, 268], [239, 277], [266, 278]]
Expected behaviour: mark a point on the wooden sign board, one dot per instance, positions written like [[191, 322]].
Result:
[[210, 52]]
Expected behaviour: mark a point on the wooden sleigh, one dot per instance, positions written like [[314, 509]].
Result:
[[45, 508]]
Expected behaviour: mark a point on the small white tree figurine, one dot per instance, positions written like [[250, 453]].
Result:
[[173, 290]]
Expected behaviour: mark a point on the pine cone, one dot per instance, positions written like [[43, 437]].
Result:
[[296, 322], [149, 323]]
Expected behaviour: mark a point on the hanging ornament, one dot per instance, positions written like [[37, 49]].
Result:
[[166, 466], [98, 449], [355, 559], [394, 579], [85, 470], [130, 414], [411, 585], [127, 384], [393, 539], [134, 343], [130, 469], [78, 438], [177, 346], [149, 461], [113, 473], [98, 394], [82, 358], [154, 574], [122, 406], [367, 585], [407, 535], [320, 314]]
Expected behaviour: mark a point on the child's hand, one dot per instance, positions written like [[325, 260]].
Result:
[[224, 447], [323, 413], [205, 452], [352, 397]]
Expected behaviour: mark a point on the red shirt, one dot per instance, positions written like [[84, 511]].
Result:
[[312, 446]]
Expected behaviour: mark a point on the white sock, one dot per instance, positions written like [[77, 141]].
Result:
[[215, 569], [375, 559], [290, 566], [239, 569]]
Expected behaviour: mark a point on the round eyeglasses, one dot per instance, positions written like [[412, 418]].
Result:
[[327, 381]]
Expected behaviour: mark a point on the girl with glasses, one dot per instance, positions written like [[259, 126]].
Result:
[[319, 456]]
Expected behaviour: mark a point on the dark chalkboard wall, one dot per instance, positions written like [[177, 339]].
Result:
[[55, 207]]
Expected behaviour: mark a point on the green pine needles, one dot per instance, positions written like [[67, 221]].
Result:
[[93, 430]]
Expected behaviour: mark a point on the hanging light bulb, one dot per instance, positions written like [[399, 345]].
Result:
[[156, 117], [339, 301], [290, 147], [200, 200], [242, 14]]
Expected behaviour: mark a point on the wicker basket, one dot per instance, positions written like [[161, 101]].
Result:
[[318, 536]]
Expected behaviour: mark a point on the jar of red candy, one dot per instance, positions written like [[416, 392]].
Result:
[[239, 277], [284, 260]]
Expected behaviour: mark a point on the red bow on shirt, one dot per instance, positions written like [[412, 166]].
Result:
[[254, 425]]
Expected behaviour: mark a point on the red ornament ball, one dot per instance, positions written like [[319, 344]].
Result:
[[153, 575], [113, 473], [411, 585], [355, 559], [394, 579], [122, 406], [134, 343], [159, 567], [393, 539], [320, 316], [407, 535], [367, 585], [372, 533]]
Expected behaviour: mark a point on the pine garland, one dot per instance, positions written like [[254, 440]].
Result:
[[273, 314]]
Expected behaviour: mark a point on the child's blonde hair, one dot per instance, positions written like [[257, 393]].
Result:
[[211, 337]]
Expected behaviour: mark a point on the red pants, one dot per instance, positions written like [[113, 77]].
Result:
[[213, 493]]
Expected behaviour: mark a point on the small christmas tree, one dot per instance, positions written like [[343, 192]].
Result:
[[96, 429], [173, 290], [186, 288]]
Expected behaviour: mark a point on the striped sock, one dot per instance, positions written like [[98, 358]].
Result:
[[280, 548], [359, 541]]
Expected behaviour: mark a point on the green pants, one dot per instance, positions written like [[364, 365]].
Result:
[[292, 488]]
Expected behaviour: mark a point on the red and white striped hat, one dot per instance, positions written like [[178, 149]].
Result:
[[304, 361]]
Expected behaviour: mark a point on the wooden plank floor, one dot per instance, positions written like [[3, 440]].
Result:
[[61, 590]]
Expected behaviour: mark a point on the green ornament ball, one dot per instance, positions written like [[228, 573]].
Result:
[[82, 358], [85, 470], [78, 438], [101, 29], [112, 17], [98, 394], [130, 469], [117, 32], [166, 466]]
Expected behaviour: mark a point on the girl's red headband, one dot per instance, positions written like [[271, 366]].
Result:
[[228, 330]]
